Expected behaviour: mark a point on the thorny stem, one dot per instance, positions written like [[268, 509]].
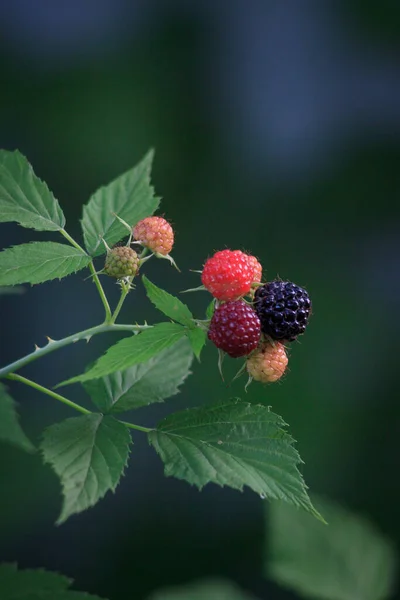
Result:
[[81, 409], [94, 275], [53, 345]]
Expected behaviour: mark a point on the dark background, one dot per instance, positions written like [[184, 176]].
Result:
[[276, 126]]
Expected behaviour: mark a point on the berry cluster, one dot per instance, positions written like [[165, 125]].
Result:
[[154, 233], [275, 313]]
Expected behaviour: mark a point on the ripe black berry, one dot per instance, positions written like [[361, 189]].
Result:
[[235, 328], [283, 309]]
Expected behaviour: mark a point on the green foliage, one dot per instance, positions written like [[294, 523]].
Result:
[[210, 309], [39, 261], [171, 306], [130, 196], [175, 309], [212, 589], [10, 429], [145, 383], [235, 444], [133, 350], [24, 197], [89, 454], [197, 338], [36, 584], [346, 560]]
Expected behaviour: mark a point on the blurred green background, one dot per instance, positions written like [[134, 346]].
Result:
[[277, 130]]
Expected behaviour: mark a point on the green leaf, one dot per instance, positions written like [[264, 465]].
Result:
[[171, 306], [10, 429], [346, 560], [145, 383], [89, 454], [132, 351], [39, 261], [236, 444], [36, 584], [210, 309], [209, 589], [24, 197], [197, 338], [130, 196]]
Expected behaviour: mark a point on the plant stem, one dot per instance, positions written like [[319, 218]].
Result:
[[53, 345], [101, 292], [125, 291], [40, 388], [85, 411], [94, 275], [138, 427]]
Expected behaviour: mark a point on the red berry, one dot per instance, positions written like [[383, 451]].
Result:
[[267, 364], [257, 272], [235, 328], [156, 234], [228, 274]]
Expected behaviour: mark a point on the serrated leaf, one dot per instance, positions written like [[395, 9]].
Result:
[[197, 338], [235, 444], [346, 560], [210, 589], [132, 351], [146, 383], [10, 429], [39, 261], [89, 454], [171, 306], [130, 196], [24, 198], [36, 584]]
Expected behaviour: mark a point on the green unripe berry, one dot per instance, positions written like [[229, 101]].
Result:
[[121, 262]]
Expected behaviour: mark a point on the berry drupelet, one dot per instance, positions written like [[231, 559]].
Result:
[[283, 309], [228, 275], [235, 328], [121, 261], [268, 363], [156, 234]]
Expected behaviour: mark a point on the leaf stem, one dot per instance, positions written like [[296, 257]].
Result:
[[64, 400], [53, 345], [94, 275], [101, 292], [138, 427], [124, 292], [40, 388]]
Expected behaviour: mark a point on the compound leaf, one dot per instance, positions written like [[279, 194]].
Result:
[[10, 429], [209, 589], [130, 196], [346, 560], [235, 444], [24, 197], [39, 261], [89, 454], [133, 350], [171, 306], [145, 383], [36, 584]]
